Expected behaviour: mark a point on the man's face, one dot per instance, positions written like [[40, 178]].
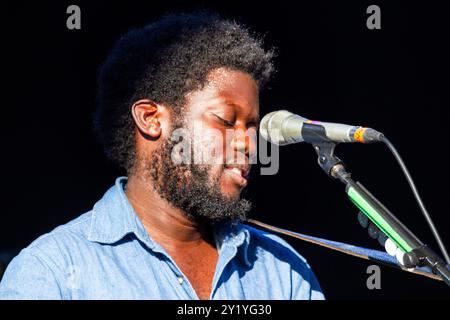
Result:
[[223, 117], [220, 121]]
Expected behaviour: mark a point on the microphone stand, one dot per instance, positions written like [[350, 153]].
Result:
[[417, 254]]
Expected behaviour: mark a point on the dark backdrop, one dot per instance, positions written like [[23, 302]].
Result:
[[331, 68]]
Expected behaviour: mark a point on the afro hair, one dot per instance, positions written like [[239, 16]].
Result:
[[164, 61]]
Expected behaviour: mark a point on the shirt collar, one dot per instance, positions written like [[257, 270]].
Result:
[[234, 235], [113, 218]]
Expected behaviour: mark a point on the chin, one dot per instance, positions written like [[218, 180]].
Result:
[[231, 193]]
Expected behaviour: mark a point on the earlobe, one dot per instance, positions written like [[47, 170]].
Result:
[[146, 117]]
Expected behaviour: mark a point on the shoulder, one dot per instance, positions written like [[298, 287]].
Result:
[[289, 266], [62, 239], [40, 270]]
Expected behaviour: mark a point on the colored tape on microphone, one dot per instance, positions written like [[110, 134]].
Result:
[[359, 134]]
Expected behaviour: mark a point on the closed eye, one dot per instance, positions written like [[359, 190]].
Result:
[[225, 122]]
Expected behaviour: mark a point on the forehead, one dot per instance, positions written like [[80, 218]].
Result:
[[226, 87]]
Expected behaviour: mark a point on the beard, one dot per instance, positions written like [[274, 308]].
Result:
[[193, 189]]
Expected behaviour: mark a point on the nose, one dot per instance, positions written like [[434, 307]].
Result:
[[244, 142]]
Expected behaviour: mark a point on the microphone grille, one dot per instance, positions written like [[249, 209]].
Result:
[[270, 126]]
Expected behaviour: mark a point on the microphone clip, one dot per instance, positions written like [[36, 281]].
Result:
[[324, 147]]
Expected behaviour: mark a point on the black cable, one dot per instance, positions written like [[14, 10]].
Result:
[[418, 199]]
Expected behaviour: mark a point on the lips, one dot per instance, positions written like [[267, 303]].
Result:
[[238, 173], [242, 170]]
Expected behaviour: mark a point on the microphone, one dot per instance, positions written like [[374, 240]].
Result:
[[283, 127]]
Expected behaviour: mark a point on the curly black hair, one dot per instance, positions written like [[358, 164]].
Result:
[[165, 60]]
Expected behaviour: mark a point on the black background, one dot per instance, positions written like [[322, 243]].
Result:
[[330, 68]]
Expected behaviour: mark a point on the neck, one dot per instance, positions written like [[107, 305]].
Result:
[[166, 224]]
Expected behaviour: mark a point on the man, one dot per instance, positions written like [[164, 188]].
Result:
[[172, 229]]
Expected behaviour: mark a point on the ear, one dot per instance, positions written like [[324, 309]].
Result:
[[146, 115]]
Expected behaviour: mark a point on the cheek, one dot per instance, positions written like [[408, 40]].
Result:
[[209, 148]]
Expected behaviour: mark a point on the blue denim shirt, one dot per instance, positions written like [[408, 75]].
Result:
[[106, 253]]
